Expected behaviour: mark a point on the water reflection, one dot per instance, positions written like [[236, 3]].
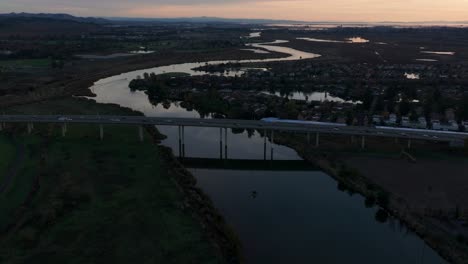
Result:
[[299, 217], [412, 76], [255, 35], [357, 40], [312, 96], [204, 143], [258, 51], [321, 40], [347, 40], [427, 60], [142, 51], [450, 53]]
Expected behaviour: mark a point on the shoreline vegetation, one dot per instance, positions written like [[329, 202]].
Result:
[[105, 185], [76, 79], [350, 179]]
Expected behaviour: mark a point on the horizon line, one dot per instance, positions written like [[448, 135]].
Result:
[[246, 18]]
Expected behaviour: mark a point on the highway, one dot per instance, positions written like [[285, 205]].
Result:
[[404, 133]]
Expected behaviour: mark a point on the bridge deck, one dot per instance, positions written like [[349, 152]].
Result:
[[242, 124]]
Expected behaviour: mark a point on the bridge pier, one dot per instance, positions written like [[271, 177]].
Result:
[[264, 144], [220, 143], [30, 127], [183, 141], [140, 133], [363, 142], [101, 132], [180, 142], [64, 129], [272, 142], [225, 143], [317, 139]]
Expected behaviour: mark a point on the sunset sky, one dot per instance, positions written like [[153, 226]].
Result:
[[307, 10]]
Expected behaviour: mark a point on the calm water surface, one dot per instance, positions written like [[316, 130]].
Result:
[[297, 217], [301, 217], [347, 40]]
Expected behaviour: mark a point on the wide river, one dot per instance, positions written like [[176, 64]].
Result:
[[280, 216]]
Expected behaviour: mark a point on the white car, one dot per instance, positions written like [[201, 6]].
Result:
[[64, 119]]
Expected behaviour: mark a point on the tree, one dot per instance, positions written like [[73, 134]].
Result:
[[462, 109], [381, 216], [413, 115], [405, 106], [291, 109]]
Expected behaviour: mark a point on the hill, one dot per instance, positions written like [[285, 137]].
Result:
[[64, 17], [39, 25], [204, 20]]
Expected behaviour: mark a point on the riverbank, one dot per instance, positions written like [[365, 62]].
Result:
[[76, 78], [116, 200], [355, 178]]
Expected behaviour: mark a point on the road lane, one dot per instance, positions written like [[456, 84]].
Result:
[[431, 135]]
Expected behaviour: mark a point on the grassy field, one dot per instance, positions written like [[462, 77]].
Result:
[[20, 186], [110, 201], [7, 154], [39, 63]]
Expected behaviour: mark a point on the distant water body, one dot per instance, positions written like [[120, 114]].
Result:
[[323, 26]]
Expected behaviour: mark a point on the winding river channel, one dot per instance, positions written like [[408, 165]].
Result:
[[294, 216]]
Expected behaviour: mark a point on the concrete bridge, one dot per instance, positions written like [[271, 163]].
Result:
[[311, 130]]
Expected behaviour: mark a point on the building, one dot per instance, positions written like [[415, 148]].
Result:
[[422, 123], [376, 119], [405, 121], [392, 121]]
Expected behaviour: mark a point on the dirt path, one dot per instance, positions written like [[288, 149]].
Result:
[[14, 167]]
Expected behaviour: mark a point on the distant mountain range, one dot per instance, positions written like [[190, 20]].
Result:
[[103, 20], [207, 20], [64, 17], [108, 20], [274, 21], [33, 25]]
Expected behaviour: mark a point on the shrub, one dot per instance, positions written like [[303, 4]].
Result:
[[383, 198], [348, 173], [381, 216], [370, 201], [341, 186]]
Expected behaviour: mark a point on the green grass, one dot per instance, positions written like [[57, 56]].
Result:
[[22, 183], [38, 63], [110, 201], [70, 106], [7, 155]]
